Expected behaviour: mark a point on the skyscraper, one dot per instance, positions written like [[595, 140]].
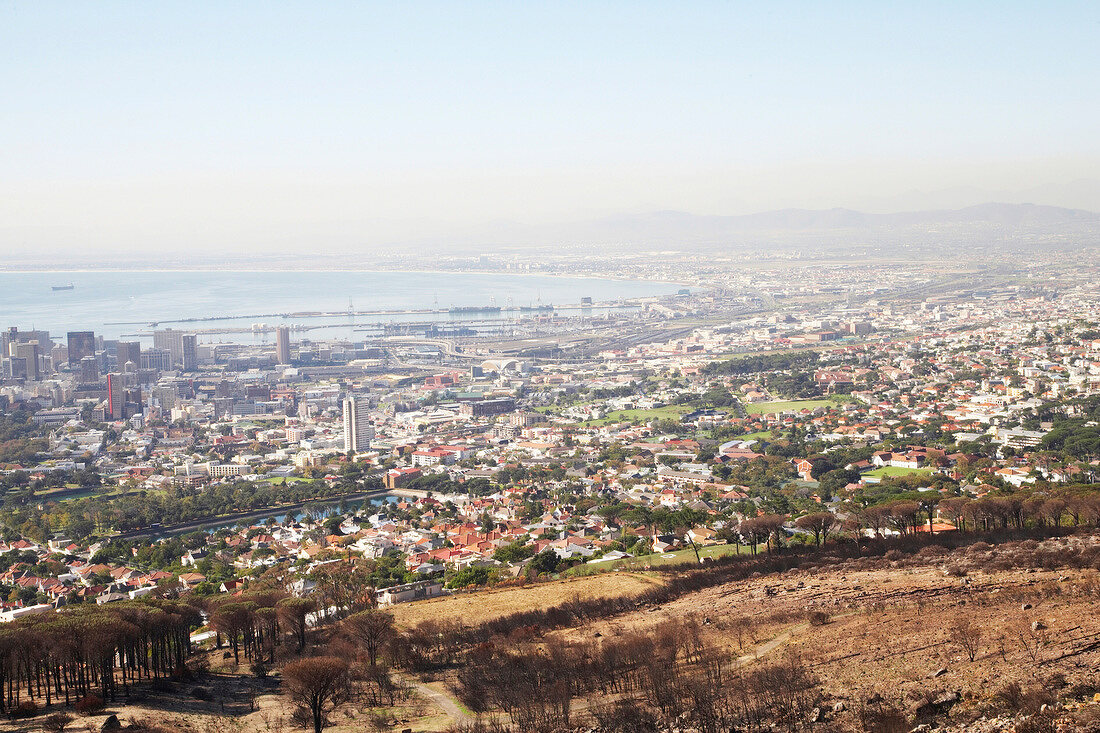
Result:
[[358, 431], [282, 345], [81, 344], [89, 370], [116, 397], [190, 352], [28, 351], [182, 347], [128, 351], [171, 341]]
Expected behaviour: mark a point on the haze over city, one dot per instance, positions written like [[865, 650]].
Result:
[[604, 367], [357, 126]]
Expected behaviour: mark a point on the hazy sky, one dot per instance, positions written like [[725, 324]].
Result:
[[211, 125]]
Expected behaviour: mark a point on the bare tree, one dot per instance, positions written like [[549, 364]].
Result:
[[372, 629], [316, 686], [903, 516], [966, 636]]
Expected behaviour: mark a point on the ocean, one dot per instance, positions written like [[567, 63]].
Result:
[[125, 304]]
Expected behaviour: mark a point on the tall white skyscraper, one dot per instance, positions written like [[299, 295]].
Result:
[[358, 431]]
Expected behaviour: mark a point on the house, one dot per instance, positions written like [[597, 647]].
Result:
[[409, 592], [189, 580]]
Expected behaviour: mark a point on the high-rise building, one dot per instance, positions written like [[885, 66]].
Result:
[[81, 344], [171, 341], [182, 347], [27, 350], [128, 352], [116, 397], [158, 359], [282, 345], [89, 370], [17, 367], [190, 352], [358, 431]]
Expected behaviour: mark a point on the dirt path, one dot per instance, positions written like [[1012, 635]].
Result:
[[445, 702], [771, 645]]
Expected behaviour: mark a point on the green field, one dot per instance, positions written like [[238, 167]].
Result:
[[758, 435], [672, 412], [888, 471], [758, 408]]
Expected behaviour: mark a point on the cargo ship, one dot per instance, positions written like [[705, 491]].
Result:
[[63, 287]]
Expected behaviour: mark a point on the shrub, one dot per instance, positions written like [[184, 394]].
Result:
[[25, 709], [817, 618], [89, 704], [57, 722], [260, 669], [882, 718]]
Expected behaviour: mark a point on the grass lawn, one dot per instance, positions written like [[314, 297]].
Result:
[[758, 435], [672, 412], [758, 408], [887, 471]]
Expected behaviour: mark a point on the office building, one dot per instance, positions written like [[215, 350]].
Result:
[[282, 345], [189, 348], [158, 359], [27, 351], [128, 352], [89, 370], [17, 367], [116, 397], [358, 431], [81, 344]]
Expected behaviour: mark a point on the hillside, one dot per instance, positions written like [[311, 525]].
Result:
[[678, 229]]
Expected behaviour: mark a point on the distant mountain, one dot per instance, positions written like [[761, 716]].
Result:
[[800, 219], [678, 228]]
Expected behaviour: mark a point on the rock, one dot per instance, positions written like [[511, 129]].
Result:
[[597, 635], [839, 707], [939, 672], [949, 699], [922, 728], [1037, 626], [111, 723], [1025, 607], [874, 699]]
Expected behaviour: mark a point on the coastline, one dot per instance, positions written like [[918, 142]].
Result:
[[401, 270]]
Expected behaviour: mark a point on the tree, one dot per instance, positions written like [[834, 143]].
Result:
[[292, 613], [546, 562], [316, 686], [820, 524], [372, 629]]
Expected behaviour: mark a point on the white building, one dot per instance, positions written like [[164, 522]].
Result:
[[358, 432]]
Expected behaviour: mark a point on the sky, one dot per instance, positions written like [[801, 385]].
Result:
[[207, 126]]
